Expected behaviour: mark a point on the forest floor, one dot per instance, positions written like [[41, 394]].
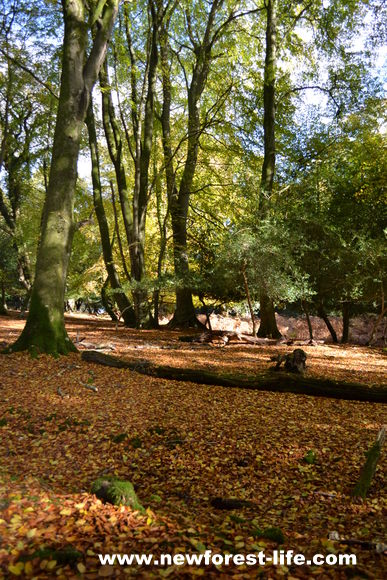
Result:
[[181, 445]]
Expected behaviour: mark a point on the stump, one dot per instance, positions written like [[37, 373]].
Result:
[[117, 492]]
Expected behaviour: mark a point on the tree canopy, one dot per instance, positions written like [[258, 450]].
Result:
[[229, 146]]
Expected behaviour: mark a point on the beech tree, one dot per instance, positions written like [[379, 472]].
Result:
[[45, 329]]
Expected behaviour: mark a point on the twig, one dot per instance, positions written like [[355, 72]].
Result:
[[368, 544], [90, 387]]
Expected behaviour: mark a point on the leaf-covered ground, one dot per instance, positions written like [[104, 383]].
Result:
[[181, 444]]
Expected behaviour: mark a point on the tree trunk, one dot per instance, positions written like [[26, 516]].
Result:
[[322, 314], [306, 311], [275, 382], [3, 303], [144, 141], [246, 285], [114, 143], [107, 302], [119, 295], [268, 326], [379, 318], [45, 329], [184, 315], [346, 321]]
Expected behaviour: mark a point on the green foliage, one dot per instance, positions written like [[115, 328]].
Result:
[[265, 254], [323, 238]]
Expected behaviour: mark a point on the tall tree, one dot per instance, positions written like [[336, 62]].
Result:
[[139, 137], [45, 329], [268, 326], [120, 297], [202, 48]]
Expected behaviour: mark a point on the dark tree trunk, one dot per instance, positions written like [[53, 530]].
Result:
[[346, 320], [3, 303], [107, 302], [322, 314], [305, 308], [144, 139], [268, 326], [184, 315], [119, 295], [247, 290]]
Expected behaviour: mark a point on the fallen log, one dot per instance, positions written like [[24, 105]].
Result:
[[226, 337], [369, 467], [275, 382]]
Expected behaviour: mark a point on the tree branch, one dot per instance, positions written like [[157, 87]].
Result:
[[19, 64]]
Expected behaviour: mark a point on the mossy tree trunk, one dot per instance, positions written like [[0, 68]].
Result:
[[45, 329], [278, 382], [268, 326]]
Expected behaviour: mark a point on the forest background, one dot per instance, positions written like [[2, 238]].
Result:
[[237, 152]]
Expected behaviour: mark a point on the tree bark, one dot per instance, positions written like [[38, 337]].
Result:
[[268, 326], [184, 315], [144, 141], [114, 143], [107, 302], [308, 321], [114, 280], [275, 382], [134, 215], [45, 329], [346, 320], [322, 314], [246, 285], [3, 303]]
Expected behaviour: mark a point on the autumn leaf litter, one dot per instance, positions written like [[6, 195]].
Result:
[[181, 444]]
